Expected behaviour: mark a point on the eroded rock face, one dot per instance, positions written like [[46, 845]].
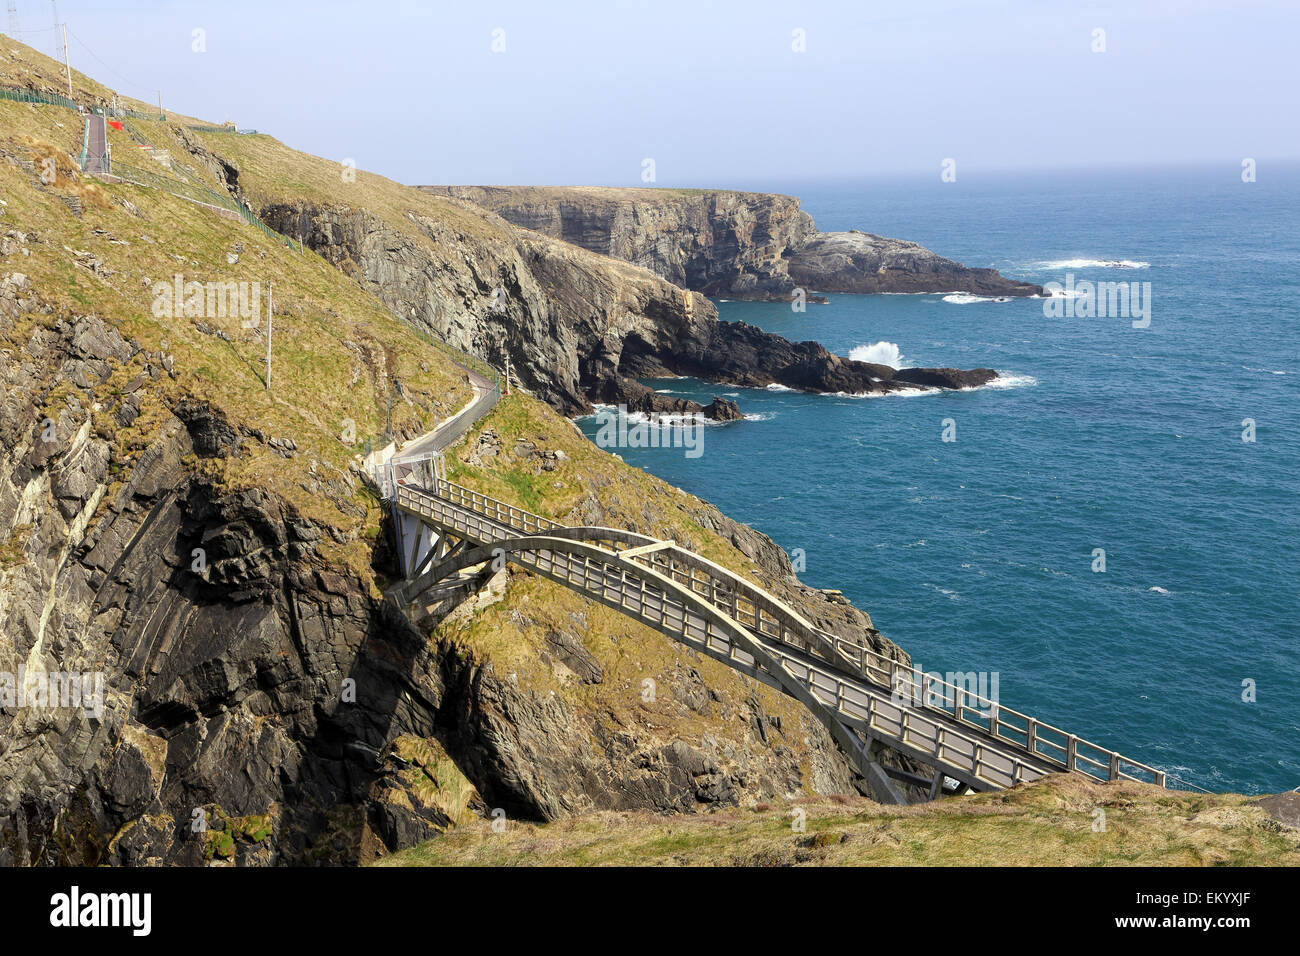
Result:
[[712, 241], [537, 757], [578, 328], [559, 313], [225, 733], [733, 244]]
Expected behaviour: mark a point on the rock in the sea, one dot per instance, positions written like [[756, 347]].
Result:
[[945, 377], [861, 262], [723, 410]]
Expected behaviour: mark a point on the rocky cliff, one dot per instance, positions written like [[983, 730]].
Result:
[[735, 244], [209, 548], [577, 328], [273, 697]]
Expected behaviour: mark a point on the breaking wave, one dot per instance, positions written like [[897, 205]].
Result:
[[878, 353], [965, 298], [1095, 264]]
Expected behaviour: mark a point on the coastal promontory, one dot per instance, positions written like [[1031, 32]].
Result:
[[720, 242]]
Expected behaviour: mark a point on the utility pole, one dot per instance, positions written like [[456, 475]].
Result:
[[14, 28], [507, 374], [66, 65], [270, 291], [161, 114]]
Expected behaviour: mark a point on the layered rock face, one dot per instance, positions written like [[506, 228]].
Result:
[[221, 680], [710, 241], [256, 700], [577, 328], [734, 244], [559, 313]]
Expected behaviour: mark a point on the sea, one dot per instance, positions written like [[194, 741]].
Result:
[[1112, 526]]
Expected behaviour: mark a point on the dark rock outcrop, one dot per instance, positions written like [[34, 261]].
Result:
[[743, 354], [860, 262], [723, 410], [253, 690]]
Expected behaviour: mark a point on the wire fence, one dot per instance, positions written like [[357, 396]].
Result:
[[224, 129], [35, 96], [194, 192], [121, 112]]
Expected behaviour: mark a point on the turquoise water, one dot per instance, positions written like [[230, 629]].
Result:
[[978, 554]]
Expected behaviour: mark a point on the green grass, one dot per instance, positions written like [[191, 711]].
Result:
[[1046, 823], [336, 350]]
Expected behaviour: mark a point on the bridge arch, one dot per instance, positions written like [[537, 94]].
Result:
[[712, 631]]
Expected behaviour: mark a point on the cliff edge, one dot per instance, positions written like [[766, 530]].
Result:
[[739, 245]]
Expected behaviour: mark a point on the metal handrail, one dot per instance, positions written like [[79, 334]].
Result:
[[854, 700], [1030, 734]]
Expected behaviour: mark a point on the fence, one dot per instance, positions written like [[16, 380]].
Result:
[[195, 193], [85, 145], [34, 96], [141, 177], [224, 129], [424, 469]]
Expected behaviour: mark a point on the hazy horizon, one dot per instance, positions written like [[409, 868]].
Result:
[[733, 97]]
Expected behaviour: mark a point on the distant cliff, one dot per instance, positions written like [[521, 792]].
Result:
[[737, 244]]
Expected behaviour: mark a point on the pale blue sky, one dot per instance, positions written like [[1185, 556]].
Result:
[[713, 91]]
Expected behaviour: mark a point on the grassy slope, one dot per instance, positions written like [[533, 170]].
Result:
[[335, 349], [1046, 823], [322, 380], [317, 309]]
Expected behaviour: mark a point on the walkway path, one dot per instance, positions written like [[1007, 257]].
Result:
[[97, 160]]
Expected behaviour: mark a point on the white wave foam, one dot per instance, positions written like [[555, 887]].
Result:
[[1007, 380], [1095, 264], [878, 353], [777, 387], [965, 298], [1004, 380], [1157, 589], [760, 417], [901, 393]]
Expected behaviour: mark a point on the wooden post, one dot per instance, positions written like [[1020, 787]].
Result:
[[270, 291], [66, 65]]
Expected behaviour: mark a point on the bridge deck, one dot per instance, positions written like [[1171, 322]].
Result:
[[685, 596]]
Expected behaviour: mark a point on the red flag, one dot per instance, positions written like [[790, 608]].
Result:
[[116, 124]]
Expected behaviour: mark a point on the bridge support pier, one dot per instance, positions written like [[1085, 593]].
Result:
[[878, 780]]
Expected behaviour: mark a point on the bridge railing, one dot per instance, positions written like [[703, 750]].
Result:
[[924, 691]]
